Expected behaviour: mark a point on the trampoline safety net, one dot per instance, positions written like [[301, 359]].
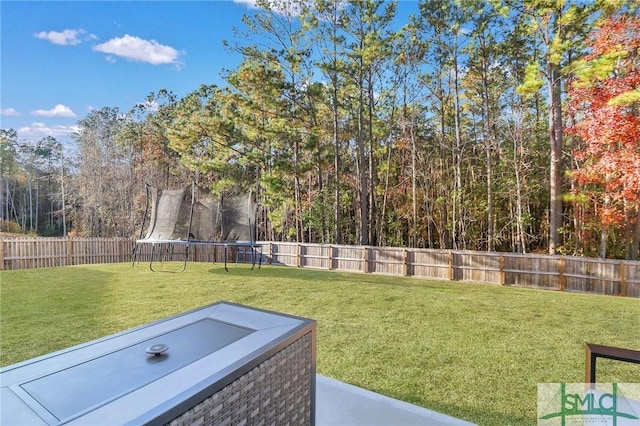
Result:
[[170, 214], [179, 217]]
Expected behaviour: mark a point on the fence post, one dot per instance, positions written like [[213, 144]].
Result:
[[1, 254], [450, 266], [330, 258], [405, 260], [502, 273], [299, 255], [365, 260], [69, 251], [623, 280], [562, 279]]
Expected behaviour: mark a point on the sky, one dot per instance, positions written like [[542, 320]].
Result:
[[59, 60]]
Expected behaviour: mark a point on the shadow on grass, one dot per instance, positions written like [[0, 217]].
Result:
[[35, 300], [268, 271], [306, 274]]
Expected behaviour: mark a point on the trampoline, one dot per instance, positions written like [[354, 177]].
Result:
[[178, 217]]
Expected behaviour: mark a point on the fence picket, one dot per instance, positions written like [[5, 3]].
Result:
[[567, 273]]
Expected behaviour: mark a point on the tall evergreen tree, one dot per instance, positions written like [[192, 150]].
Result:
[[560, 27]]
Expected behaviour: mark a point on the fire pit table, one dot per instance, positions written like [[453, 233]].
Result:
[[219, 364]]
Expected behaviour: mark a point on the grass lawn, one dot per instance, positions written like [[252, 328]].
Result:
[[473, 351]]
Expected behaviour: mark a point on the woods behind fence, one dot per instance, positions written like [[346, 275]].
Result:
[[564, 273]]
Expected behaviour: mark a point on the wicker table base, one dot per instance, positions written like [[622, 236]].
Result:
[[276, 392]]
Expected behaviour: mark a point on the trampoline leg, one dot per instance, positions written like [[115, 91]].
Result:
[[167, 252], [153, 252], [225, 258], [162, 255], [135, 254], [186, 256]]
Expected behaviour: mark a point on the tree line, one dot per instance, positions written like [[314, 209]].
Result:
[[502, 125]]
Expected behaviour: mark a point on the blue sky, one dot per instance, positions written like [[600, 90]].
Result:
[[61, 59]]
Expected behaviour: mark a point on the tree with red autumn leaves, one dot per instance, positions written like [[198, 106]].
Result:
[[604, 98]]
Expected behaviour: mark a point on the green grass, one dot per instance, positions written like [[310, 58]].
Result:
[[473, 351]]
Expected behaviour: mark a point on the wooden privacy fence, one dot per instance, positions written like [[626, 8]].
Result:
[[564, 273], [28, 253]]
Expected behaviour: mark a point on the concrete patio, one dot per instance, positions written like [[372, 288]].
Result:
[[341, 404]]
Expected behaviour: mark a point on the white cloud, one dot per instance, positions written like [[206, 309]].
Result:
[[282, 8], [9, 112], [139, 50], [65, 37], [151, 106], [59, 111], [251, 4], [38, 130]]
